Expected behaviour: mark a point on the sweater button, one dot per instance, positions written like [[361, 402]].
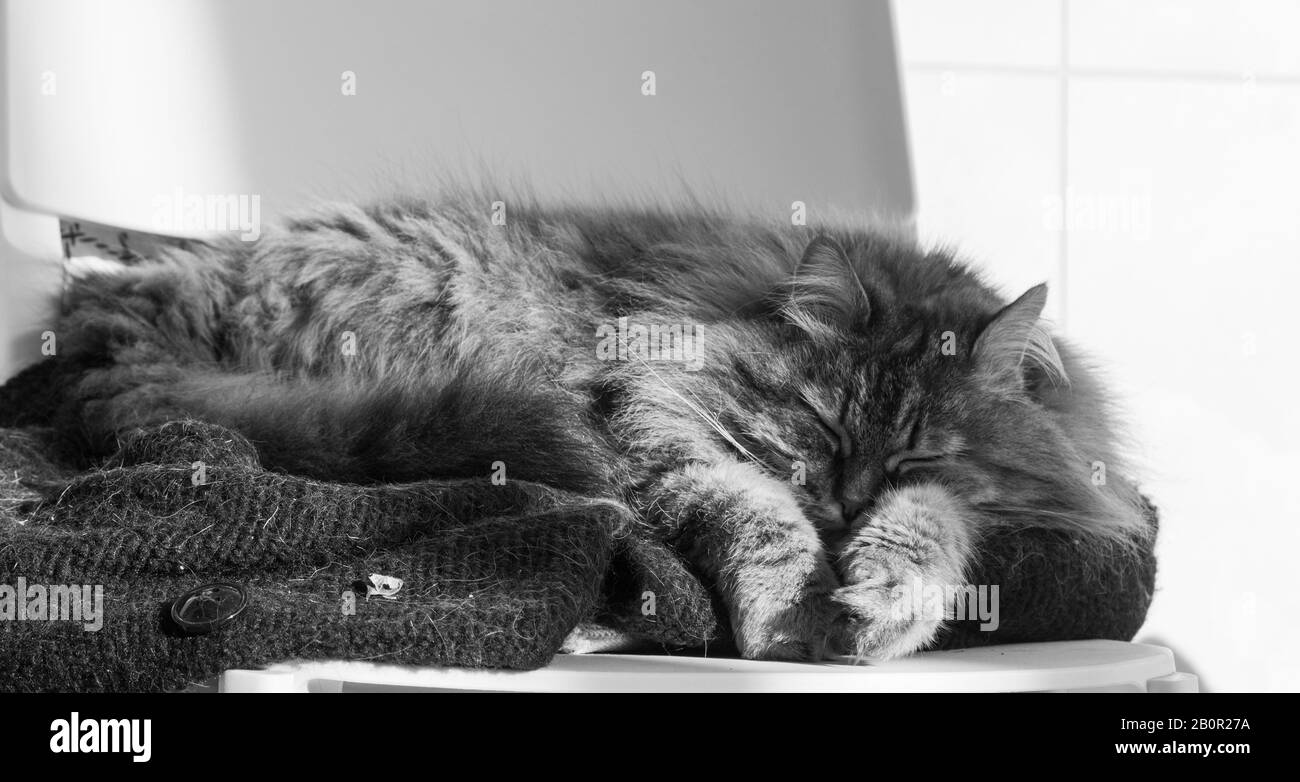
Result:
[[206, 608]]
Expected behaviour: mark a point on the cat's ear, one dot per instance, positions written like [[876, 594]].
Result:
[[826, 296], [1016, 344]]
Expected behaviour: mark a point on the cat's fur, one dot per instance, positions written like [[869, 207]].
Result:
[[863, 410]]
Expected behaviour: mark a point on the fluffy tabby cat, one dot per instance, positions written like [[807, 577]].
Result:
[[859, 412]]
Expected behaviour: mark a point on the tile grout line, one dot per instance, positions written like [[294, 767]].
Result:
[[1090, 72], [1064, 85]]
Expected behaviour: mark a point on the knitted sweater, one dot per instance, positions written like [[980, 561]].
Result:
[[493, 576]]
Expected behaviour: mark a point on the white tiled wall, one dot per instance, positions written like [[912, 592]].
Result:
[[1169, 130], [985, 190], [1207, 38]]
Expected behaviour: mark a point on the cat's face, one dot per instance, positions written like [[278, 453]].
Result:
[[879, 395]]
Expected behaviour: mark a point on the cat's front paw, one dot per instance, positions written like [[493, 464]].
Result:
[[898, 567], [792, 621]]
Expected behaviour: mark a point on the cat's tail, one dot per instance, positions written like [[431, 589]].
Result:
[[151, 343], [124, 336], [361, 430]]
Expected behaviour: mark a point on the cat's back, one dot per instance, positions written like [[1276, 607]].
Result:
[[454, 276], [404, 281], [618, 257]]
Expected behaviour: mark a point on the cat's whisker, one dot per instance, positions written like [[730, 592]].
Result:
[[710, 419], [1083, 521]]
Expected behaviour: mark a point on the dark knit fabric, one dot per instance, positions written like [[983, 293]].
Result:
[[495, 576], [1056, 587]]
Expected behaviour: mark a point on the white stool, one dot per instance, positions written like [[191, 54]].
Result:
[[1074, 666]]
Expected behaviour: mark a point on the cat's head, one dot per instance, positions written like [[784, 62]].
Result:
[[888, 377]]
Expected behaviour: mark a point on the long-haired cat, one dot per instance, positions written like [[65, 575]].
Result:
[[818, 419]]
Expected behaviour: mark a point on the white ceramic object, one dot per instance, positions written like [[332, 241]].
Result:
[[1062, 666]]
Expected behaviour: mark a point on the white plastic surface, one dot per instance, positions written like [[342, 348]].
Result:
[[30, 279], [1071, 665], [1175, 682], [116, 109]]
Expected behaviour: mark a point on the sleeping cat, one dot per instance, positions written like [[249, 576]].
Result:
[[815, 418]]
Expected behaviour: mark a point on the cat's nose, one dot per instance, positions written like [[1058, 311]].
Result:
[[830, 521], [857, 491], [849, 509]]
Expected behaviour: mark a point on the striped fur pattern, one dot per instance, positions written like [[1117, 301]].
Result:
[[858, 411]]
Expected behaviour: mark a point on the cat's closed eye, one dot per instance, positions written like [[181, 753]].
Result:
[[836, 434], [900, 464]]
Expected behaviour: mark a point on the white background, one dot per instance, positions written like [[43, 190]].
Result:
[[1172, 128]]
